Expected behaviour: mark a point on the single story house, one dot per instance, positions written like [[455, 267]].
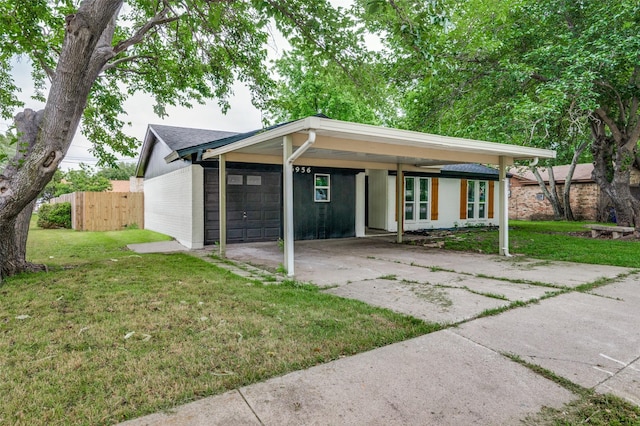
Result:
[[134, 184], [527, 202], [319, 178]]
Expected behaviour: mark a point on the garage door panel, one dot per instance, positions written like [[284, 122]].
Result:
[[254, 233], [254, 206], [272, 233], [271, 215], [254, 198], [235, 235]]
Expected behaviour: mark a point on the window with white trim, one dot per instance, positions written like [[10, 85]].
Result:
[[321, 188], [477, 196], [416, 198]]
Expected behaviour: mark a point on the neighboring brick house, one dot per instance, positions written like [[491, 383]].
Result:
[[134, 184], [527, 202], [120, 186]]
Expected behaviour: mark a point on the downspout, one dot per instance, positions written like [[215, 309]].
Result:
[[288, 184], [505, 249], [305, 146]]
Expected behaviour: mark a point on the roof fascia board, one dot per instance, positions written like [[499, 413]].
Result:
[[386, 135], [296, 126], [145, 152], [444, 142]]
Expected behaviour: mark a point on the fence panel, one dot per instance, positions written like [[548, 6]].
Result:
[[105, 211]]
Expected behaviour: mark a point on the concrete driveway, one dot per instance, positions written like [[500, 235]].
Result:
[[429, 283], [460, 375], [590, 337]]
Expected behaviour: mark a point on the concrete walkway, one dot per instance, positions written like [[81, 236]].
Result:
[[456, 376]]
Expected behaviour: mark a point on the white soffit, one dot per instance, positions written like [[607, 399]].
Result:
[[341, 139]]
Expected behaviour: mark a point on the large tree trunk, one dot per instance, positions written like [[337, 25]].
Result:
[[13, 244], [86, 49], [613, 158], [566, 192], [14, 231]]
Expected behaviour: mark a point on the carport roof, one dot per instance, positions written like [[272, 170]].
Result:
[[361, 145]]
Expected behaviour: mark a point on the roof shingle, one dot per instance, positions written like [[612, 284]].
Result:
[[184, 137]]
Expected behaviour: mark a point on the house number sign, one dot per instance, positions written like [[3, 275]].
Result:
[[302, 169]]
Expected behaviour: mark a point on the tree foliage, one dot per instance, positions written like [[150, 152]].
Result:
[[78, 180], [121, 171], [553, 74], [94, 54], [7, 148], [309, 85]]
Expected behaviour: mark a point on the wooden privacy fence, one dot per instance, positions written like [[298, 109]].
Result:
[[104, 211]]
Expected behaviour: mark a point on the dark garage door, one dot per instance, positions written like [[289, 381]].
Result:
[[253, 206]]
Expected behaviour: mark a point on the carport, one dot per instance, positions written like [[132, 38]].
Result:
[[324, 142]]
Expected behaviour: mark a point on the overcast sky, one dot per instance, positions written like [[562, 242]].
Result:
[[241, 117]]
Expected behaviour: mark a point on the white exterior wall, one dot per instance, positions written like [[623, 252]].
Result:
[[174, 205], [378, 199], [448, 207], [448, 204], [392, 223], [360, 204]]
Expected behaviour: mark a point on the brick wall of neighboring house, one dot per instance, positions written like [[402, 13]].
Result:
[[134, 184], [119, 186], [528, 203]]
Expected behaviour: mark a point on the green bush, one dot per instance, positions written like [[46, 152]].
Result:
[[54, 216]]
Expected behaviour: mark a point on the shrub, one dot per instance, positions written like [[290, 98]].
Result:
[[54, 216]]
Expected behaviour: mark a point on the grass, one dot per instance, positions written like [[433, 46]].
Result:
[[590, 408], [565, 241], [108, 335]]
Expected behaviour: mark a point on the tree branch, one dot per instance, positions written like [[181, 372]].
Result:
[[117, 62], [540, 77], [47, 69], [159, 19], [633, 109], [634, 136], [602, 114], [617, 96]]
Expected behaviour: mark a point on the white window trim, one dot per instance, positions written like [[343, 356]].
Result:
[[316, 187], [476, 203], [416, 200]]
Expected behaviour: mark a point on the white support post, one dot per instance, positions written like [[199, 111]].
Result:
[[222, 205], [360, 204], [503, 215], [400, 202], [287, 170]]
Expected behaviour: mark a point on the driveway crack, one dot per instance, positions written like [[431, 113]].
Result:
[[250, 407]]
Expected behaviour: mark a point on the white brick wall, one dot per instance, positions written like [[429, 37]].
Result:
[[448, 208], [174, 205], [377, 199]]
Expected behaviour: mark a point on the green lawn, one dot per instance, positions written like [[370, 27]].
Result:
[[108, 335], [568, 241]]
